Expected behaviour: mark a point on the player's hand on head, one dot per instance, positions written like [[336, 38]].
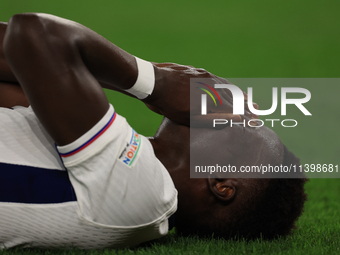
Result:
[[171, 96], [224, 111]]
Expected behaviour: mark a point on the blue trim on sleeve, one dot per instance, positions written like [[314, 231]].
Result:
[[26, 184]]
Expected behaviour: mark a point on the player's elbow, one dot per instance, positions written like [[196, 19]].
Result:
[[22, 19], [34, 33], [23, 34], [22, 30]]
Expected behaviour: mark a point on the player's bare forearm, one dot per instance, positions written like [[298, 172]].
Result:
[[106, 79], [60, 64], [108, 64], [113, 68]]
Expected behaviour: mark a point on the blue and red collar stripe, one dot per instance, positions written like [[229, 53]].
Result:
[[95, 137]]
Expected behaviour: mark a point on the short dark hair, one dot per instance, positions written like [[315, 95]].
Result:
[[268, 214]]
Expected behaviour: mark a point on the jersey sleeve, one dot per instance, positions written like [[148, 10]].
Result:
[[118, 181]]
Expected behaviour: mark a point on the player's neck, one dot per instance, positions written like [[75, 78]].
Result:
[[171, 144]]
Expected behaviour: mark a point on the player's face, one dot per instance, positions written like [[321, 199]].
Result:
[[235, 146]]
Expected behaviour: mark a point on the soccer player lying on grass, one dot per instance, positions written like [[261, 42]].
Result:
[[103, 184]]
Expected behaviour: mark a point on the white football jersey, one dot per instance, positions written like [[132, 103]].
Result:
[[114, 193]]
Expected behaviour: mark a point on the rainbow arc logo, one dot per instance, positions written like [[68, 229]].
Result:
[[209, 93]]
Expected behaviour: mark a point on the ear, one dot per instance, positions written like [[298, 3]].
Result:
[[223, 189]]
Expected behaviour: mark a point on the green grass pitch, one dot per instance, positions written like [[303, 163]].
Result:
[[317, 233], [293, 38]]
